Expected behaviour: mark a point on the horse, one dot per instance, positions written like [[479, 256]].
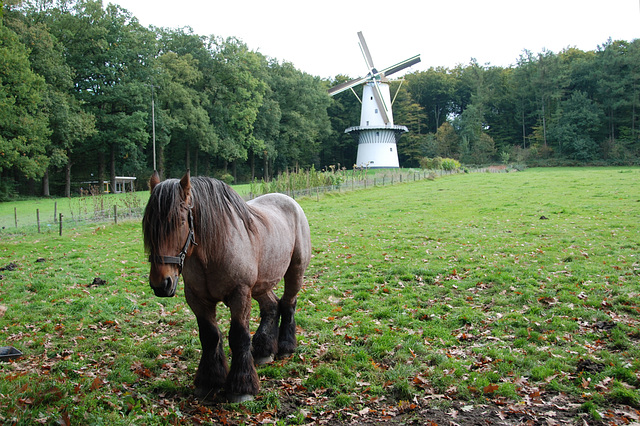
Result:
[[228, 250]]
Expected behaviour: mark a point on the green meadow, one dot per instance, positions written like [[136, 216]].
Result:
[[508, 295]]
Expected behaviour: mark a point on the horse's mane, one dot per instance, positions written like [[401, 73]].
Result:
[[216, 210]]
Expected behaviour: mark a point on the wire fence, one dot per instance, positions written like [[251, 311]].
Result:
[[91, 210], [354, 182], [46, 216]]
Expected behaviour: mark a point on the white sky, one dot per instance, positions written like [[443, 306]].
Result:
[[320, 38]]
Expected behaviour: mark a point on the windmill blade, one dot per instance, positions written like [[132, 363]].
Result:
[[346, 85], [366, 53], [401, 65], [382, 107]]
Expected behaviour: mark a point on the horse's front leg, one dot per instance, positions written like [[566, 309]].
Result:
[[212, 371], [242, 381]]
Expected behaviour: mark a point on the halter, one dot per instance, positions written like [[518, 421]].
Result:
[[179, 259]]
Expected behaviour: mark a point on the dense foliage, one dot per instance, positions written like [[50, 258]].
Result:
[[85, 90]]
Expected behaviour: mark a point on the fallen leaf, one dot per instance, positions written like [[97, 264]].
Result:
[[491, 388]]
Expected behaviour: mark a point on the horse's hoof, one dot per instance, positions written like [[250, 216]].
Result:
[[263, 360], [285, 355], [238, 399], [205, 393]]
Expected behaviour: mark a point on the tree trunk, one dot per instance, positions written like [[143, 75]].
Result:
[[524, 132], [45, 184], [67, 179], [253, 166], [160, 161], [544, 124], [113, 168], [101, 172], [266, 167], [188, 155]]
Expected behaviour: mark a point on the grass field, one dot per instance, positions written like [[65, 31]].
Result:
[[508, 296]]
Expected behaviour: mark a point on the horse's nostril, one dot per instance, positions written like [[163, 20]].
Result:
[[166, 287], [166, 284]]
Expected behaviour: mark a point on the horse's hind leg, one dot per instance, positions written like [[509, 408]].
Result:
[[212, 371], [287, 306], [265, 340]]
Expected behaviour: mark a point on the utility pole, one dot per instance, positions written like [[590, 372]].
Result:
[[153, 127]]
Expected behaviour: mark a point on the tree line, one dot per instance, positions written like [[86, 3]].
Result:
[[88, 93]]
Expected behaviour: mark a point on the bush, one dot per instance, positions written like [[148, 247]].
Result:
[[226, 178], [439, 163], [450, 164]]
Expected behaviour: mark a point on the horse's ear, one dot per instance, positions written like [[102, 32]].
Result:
[[185, 184], [154, 180]]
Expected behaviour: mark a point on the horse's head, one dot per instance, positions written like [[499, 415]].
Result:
[[168, 231]]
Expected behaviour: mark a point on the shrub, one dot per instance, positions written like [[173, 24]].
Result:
[[450, 164], [226, 178], [439, 163]]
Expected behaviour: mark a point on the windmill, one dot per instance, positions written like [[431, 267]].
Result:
[[377, 135]]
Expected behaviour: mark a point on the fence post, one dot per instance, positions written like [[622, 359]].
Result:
[[115, 214], [15, 215], [55, 211], [60, 225], [38, 218]]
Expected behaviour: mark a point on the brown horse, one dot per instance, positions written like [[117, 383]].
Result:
[[228, 251]]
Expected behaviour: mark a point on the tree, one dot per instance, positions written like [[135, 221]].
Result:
[[266, 131], [434, 90], [578, 119], [184, 117], [477, 146], [447, 141], [70, 125], [304, 124], [611, 87], [343, 112], [24, 132], [236, 98], [413, 145], [110, 53]]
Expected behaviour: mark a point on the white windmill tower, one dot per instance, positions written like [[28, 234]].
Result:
[[377, 136]]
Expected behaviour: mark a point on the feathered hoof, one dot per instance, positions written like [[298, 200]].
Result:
[[263, 360], [285, 355], [208, 394], [238, 399]]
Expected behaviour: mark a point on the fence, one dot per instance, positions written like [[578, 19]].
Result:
[[45, 216], [351, 182], [102, 209]]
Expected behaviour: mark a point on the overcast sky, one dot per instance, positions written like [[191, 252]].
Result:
[[320, 38]]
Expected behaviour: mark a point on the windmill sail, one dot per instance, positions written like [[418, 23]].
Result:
[[377, 135]]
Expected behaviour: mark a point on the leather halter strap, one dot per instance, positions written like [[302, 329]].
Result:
[[178, 260]]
